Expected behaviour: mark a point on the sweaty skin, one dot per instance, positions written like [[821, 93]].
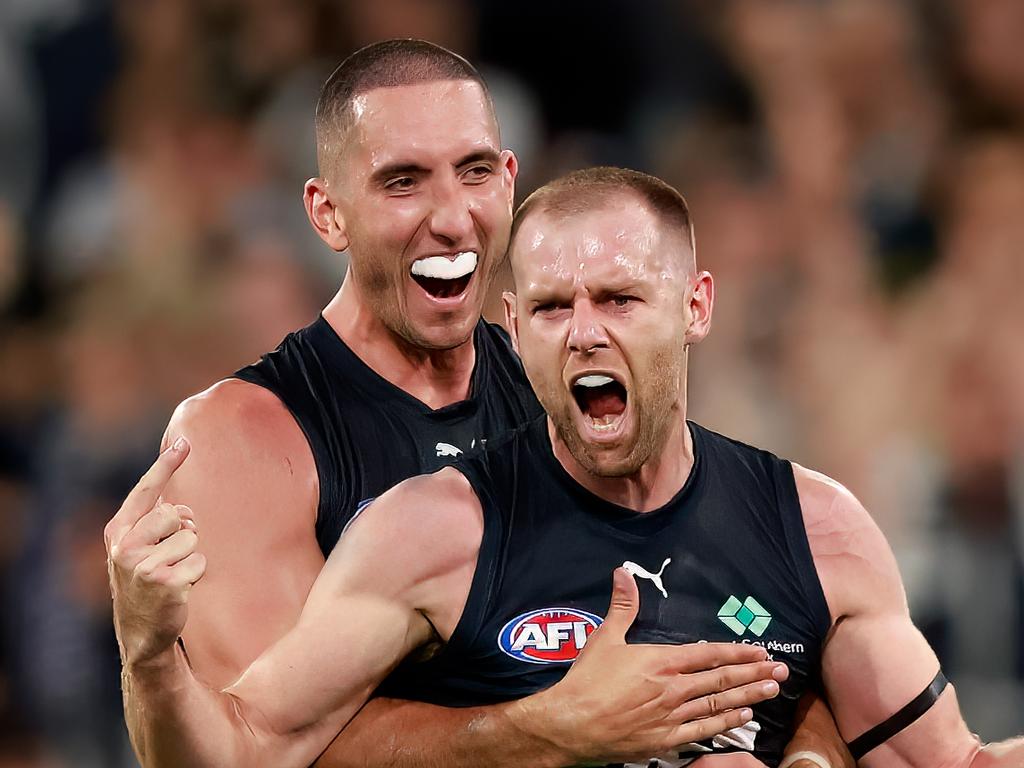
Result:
[[291, 701], [420, 174], [875, 660], [298, 694]]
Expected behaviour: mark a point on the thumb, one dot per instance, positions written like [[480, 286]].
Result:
[[623, 608]]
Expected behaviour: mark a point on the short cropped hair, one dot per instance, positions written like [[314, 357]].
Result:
[[581, 191], [386, 64]]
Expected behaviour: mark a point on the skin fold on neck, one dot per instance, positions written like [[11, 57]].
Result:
[[435, 377]]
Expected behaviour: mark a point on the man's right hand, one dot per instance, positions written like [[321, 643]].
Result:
[[622, 702], [152, 564]]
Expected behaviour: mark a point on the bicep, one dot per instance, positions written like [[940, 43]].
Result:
[[252, 490], [875, 661], [382, 593], [310, 683], [873, 666], [360, 620]]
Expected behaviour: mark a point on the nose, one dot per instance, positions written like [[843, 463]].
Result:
[[586, 331], [450, 218]]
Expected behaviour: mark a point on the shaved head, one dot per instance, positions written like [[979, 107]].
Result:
[[387, 64], [582, 191]]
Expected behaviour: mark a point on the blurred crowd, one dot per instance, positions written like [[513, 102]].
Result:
[[856, 174]]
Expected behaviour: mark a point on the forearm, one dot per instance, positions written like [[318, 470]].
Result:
[[174, 720], [817, 733], [405, 734]]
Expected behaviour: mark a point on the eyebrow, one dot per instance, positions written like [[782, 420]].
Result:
[[488, 155], [413, 169], [628, 286]]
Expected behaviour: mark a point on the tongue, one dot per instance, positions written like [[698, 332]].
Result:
[[443, 289], [603, 401]]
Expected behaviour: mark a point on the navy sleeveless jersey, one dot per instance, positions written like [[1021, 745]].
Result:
[[366, 434], [726, 560]]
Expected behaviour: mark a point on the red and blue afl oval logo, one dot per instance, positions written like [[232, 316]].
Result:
[[548, 636]]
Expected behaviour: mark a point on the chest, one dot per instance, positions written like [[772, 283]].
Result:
[[691, 590], [382, 446], [712, 570]]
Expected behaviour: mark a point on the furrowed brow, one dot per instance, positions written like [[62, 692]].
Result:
[[631, 286]]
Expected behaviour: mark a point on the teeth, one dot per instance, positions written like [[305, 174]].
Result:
[[440, 267], [594, 380], [605, 423]]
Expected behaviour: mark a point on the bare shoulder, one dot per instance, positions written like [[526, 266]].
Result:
[[854, 561], [831, 511], [242, 436], [428, 530], [439, 512], [233, 409]]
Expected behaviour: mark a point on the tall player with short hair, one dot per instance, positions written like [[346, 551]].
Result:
[[397, 377], [751, 548]]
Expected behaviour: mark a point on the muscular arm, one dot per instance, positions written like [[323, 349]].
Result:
[[380, 595], [876, 661], [816, 732], [251, 484], [409, 734]]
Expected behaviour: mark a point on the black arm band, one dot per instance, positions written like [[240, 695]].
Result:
[[882, 732]]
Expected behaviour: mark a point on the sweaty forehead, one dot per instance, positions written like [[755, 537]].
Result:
[[409, 123], [619, 240]]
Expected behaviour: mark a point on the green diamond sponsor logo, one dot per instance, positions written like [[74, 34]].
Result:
[[739, 617]]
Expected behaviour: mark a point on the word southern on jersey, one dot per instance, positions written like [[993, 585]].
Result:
[[366, 434], [726, 560]]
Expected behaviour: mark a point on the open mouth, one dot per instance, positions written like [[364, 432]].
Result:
[[601, 399], [442, 277]]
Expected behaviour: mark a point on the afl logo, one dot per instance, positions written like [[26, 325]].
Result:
[[548, 636]]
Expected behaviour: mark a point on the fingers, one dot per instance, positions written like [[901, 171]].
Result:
[[699, 730], [144, 495], [712, 684], [732, 699], [156, 525], [624, 606], [173, 562], [722, 679], [192, 568], [694, 657], [171, 550]]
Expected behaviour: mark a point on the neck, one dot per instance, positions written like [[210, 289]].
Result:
[[435, 377], [659, 478]]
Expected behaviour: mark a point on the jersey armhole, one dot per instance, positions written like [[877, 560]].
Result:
[[791, 513], [489, 564], [328, 491]]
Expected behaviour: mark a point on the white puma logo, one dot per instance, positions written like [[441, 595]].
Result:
[[638, 570], [444, 449]]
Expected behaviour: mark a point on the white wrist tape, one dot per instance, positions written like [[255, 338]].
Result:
[[811, 757]]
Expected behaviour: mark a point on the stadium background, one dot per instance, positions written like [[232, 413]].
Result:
[[856, 172]]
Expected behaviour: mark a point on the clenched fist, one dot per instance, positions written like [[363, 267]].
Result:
[[152, 563]]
